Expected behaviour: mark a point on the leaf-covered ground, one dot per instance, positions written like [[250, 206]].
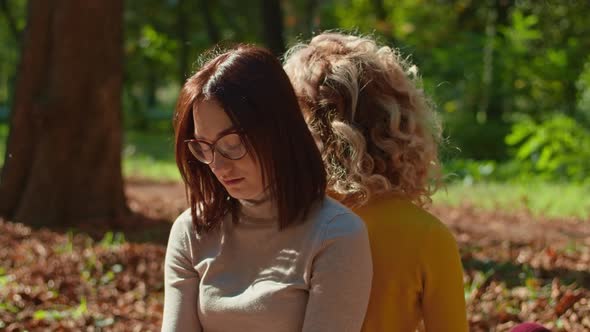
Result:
[[517, 268]]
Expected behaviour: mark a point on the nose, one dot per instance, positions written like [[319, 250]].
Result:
[[219, 163]]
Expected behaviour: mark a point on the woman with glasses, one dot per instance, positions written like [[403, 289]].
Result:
[[378, 137], [260, 248]]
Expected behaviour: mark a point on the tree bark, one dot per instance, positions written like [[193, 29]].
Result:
[[63, 158], [272, 27]]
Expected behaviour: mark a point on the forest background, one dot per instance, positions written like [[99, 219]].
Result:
[[510, 78]]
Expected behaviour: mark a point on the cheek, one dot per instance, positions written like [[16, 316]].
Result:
[[252, 168]]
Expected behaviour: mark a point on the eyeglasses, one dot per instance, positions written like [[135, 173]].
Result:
[[230, 145]]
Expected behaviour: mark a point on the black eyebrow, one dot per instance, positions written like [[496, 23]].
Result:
[[221, 133]]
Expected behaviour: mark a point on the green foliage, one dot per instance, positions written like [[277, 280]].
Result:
[[583, 86], [13, 12], [556, 149], [476, 282], [112, 240], [156, 46], [466, 138], [68, 246], [74, 313], [9, 307], [163, 40], [3, 139], [498, 70], [4, 279], [522, 32], [485, 63], [470, 171]]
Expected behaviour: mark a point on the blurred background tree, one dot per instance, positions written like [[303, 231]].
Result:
[[63, 159], [511, 78]]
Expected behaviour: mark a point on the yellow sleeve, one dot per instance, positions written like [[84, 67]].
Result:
[[443, 301]]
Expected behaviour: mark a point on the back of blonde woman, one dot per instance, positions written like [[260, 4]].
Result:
[[378, 134]]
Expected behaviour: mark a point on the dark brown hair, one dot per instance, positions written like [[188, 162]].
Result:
[[251, 86]]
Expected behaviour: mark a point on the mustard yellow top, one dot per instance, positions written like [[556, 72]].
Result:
[[417, 272]]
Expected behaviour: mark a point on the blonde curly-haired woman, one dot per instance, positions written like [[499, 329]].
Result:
[[378, 135]]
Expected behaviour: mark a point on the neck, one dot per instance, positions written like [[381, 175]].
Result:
[[261, 207]]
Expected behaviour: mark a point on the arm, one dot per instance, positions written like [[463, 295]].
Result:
[[181, 281], [443, 302], [340, 278]]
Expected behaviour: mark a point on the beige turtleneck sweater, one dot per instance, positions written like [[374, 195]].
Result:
[[250, 276]]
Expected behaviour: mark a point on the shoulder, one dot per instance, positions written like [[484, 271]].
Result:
[[393, 222], [183, 234], [335, 220], [399, 215], [419, 224], [185, 238], [183, 225]]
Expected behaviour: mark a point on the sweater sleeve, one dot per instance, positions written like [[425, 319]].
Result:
[[443, 302], [340, 278], [181, 280]]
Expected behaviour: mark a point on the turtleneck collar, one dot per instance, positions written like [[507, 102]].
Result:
[[259, 209]]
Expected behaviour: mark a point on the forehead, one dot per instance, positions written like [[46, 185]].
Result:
[[210, 119]]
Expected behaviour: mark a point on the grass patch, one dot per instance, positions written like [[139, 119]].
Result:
[[541, 198], [145, 155], [149, 168], [150, 155]]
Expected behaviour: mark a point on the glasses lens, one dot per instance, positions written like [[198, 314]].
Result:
[[201, 151], [231, 146]]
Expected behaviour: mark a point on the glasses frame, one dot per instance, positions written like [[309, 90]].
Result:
[[212, 146]]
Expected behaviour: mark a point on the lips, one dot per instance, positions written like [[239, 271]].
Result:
[[232, 182]]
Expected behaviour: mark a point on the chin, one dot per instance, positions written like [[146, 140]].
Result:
[[239, 194], [236, 196]]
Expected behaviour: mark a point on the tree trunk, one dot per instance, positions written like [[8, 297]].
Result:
[[272, 27], [63, 158]]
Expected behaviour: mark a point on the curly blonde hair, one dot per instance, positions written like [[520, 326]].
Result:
[[377, 131]]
